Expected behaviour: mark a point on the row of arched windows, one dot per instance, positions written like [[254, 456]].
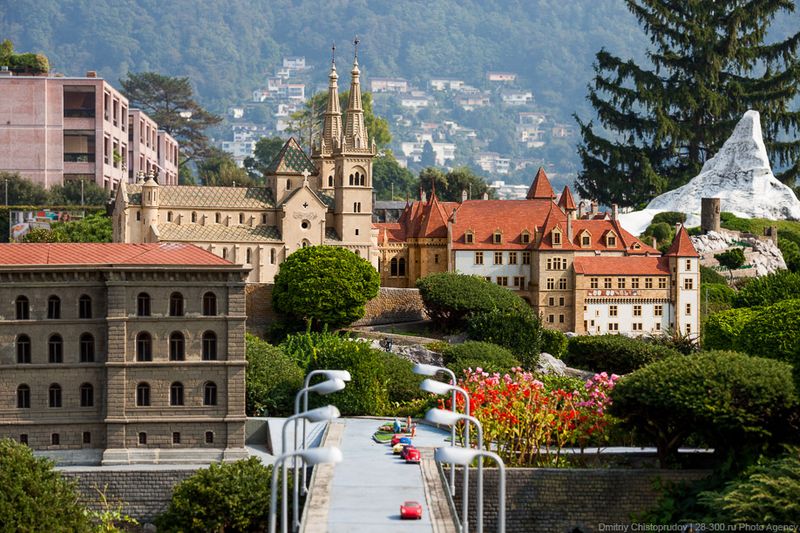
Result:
[[397, 267], [176, 394], [23, 307], [55, 349], [217, 217], [176, 304], [54, 396], [358, 179], [177, 346]]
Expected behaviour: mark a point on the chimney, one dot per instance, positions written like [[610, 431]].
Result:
[[614, 211], [453, 218], [580, 209], [91, 73], [569, 229], [463, 195], [375, 198], [655, 243], [486, 195], [594, 208]]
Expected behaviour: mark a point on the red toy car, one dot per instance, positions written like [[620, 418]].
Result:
[[396, 439], [411, 511], [412, 455], [405, 450]]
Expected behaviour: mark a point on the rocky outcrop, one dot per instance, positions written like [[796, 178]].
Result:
[[762, 255]]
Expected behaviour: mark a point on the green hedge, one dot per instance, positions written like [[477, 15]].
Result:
[[613, 353], [272, 379], [774, 332], [450, 298], [709, 275], [520, 331], [730, 400], [554, 342], [474, 354], [721, 330], [767, 290]]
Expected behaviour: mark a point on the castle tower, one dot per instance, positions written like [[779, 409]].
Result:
[[149, 205], [353, 176], [684, 264], [331, 135]]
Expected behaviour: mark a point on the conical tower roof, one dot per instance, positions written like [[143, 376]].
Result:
[[682, 245], [541, 188], [566, 201]]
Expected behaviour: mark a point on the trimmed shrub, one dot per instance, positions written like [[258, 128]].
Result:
[[669, 217], [791, 254], [767, 290], [34, 496], [473, 354], [450, 298], [721, 330], [272, 379], [402, 384], [613, 353], [226, 497], [775, 333], [554, 342], [518, 331], [709, 275], [729, 399]]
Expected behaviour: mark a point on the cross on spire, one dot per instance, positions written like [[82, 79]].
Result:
[[355, 47], [333, 53], [306, 174]]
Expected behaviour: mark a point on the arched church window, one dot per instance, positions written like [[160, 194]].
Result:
[[351, 179], [330, 181]]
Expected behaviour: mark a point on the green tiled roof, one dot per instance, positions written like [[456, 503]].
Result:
[[327, 200], [199, 196], [331, 236], [217, 233], [291, 160]]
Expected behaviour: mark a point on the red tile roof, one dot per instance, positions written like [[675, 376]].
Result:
[[419, 220], [682, 245], [80, 254], [511, 217], [621, 266], [541, 188], [597, 229], [566, 202]]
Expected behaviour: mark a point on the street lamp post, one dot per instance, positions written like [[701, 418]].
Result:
[[324, 388], [464, 457], [431, 370], [447, 418], [437, 387], [312, 457]]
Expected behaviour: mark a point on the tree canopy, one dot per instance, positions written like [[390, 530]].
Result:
[[451, 184], [218, 168], [710, 63], [324, 286]]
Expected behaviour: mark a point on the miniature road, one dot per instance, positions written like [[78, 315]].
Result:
[[369, 486]]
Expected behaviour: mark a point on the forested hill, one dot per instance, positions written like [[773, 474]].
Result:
[[228, 46]]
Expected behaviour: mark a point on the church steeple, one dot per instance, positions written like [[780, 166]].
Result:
[[355, 133], [332, 127]]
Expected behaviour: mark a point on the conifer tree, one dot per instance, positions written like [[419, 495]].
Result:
[[659, 123]]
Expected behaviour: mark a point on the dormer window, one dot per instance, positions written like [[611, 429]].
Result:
[[525, 237], [556, 237], [611, 239], [636, 246], [469, 237], [497, 238], [586, 241]]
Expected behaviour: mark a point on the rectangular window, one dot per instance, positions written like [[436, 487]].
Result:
[[688, 265], [648, 283], [551, 301], [209, 437], [612, 310], [637, 326], [436, 258], [55, 439], [688, 328], [519, 282], [478, 258], [688, 284], [562, 283], [551, 319], [87, 437], [502, 281], [142, 438], [556, 237], [658, 326], [512, 258], [561, 301], [488, 278], [551, 284], [549, 263], [560, 319], [688, 309], [613, 326], [634, 283], [658, 310], [497, 238], [176, 437], [662, 283], [468, 238], [526, 258], [620, 283], [593, 283], [637, 310], [23, 438], [606, 283], [498, 258]]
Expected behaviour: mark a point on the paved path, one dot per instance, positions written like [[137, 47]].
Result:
[[369, 486]]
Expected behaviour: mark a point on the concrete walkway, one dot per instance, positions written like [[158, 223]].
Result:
[[368, 487]]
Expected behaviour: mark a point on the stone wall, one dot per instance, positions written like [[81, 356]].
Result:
[[145, 493], [391, 305], [561, 500]]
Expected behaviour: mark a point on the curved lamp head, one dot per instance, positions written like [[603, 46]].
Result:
[[328, 386], [314, 456], [344, 375], [444, 418], [455, 455], [426, 370], [435, 387], [322, 414]]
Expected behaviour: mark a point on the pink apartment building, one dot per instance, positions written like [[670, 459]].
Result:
[[55, 129]]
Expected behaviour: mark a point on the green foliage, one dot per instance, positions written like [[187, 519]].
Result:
[[450, 298], [554, 342], [791, 254], [70, 193], [450, 185], [721, 330], [613, 353], [767, 290], [324, 285], [774, 333], [25, 64], [22, 191], [272, 379], [474, 354], [267, 148], [518, 330], [386, 173], [767, 493], [673, 339], [787, 229], [94, 228], [716, 297], [402, 384], [218, 168], [35, 497], [225, 497], [731, 259], [660, 120], [669, 217], [663, 232], [709, 275], [729, 399]]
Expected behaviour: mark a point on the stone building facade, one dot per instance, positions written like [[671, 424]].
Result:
[[307, 201], [580, 272], [122, 353]]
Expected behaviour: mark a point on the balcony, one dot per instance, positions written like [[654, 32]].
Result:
[[78, 157]]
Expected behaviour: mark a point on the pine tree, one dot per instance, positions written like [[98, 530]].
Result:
[[709, 64]]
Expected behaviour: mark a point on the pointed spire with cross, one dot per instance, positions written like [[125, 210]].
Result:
[[306, 174]]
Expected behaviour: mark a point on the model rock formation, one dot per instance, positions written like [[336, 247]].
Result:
[[739, 174]]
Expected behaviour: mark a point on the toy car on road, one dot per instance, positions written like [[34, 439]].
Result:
[[412, 455], [397, 438], [404, 451], [397, 448], [411, 511]]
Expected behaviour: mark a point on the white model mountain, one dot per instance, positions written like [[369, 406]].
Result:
[[739, 174]]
